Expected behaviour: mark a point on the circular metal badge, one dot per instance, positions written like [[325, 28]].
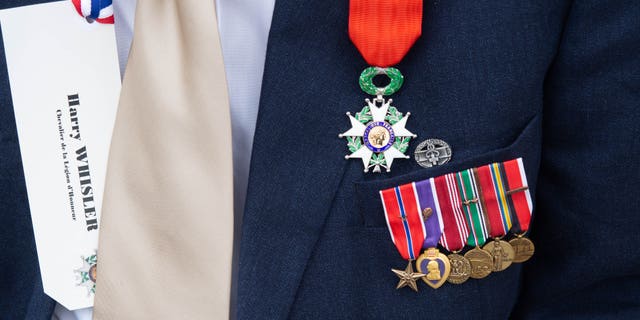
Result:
[[460, 269], [501, 252], [379, 136], [523, 248], [432, 152], [481, 263]]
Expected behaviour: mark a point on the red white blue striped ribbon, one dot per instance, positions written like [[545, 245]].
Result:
[[404, 219], [99, 10]]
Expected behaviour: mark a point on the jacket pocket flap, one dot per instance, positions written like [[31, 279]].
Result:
[[526, 145]]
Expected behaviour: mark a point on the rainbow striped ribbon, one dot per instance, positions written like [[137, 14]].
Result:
[[494, 198]]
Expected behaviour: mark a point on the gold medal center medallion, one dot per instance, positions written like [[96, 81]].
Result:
[[379, 136]]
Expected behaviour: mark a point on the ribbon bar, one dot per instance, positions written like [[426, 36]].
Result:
[[455, 230], [404, 219], [473, 210], [430, 208], [458, 209], [494, 196], [518, 193]]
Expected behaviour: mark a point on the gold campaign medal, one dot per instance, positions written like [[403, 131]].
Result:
[[460, 269], [501, 252], [523, 249], [481, 263], [435, 266]]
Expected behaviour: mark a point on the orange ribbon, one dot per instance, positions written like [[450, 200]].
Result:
[[384, 30]]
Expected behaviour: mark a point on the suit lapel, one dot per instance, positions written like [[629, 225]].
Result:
[[310, 81]]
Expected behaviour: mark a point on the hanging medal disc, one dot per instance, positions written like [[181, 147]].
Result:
[[460, 268], [523, 248], [501, 252], [481, 263]]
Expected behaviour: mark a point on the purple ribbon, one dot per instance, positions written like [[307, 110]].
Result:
[[431, 224]]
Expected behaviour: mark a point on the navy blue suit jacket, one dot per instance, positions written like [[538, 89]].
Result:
[[555, 82]]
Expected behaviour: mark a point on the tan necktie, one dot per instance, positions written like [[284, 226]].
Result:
[[166, 232]]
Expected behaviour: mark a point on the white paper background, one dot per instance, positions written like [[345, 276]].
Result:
[[52, 52]]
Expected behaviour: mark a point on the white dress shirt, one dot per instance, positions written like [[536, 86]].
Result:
[[244, 29]]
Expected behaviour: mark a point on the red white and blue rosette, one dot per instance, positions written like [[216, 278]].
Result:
[[100, 11]]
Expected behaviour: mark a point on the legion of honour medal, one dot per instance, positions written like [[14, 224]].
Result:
[[86, 275], [383, 31]]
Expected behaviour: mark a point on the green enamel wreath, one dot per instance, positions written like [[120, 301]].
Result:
[[366, 81]]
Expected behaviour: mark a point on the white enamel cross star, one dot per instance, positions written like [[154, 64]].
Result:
[[378, 136]]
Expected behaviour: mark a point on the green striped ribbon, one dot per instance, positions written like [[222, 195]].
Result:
[[472, 208]]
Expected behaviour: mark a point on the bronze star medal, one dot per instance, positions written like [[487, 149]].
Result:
[[408, 277]]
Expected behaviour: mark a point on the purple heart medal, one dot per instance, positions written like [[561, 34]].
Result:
[[431, 262]]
